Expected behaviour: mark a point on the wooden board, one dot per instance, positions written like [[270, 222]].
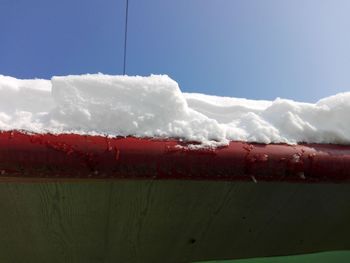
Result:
[[169, 220]]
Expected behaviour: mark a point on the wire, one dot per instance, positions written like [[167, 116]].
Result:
[[125, 35]]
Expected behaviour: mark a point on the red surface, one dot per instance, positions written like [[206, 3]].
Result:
[[75, 156]]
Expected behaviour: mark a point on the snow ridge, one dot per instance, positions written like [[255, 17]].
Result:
[[154, 106]]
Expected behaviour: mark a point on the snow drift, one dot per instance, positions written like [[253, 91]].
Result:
[[154, 106]]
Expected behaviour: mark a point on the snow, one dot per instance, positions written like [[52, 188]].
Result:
[[154, 106]]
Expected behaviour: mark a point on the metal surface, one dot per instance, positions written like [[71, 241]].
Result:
[[75, 156]]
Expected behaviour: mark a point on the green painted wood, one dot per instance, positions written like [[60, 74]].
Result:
[[323, 257], [169, 221]]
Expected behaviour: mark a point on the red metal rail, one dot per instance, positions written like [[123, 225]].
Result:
[[25, 155]]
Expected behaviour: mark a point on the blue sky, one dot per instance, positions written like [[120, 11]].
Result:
[[258, 49]]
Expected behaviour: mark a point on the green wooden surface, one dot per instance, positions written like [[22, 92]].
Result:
[[324, 257], [169, 221]]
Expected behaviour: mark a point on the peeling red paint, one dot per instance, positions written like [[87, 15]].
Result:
[[25, 155]]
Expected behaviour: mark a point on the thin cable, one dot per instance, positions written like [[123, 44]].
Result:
[[125, 34]]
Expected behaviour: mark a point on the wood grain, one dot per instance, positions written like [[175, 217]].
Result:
[[169, 220]]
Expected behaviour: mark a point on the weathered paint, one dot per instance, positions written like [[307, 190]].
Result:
[[76, 156]]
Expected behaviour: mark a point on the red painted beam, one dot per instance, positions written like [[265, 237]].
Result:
[[25, 155]]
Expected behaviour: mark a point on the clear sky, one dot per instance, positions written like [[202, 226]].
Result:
[[258, 49]]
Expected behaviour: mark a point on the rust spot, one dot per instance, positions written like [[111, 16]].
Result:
[[248, 147], [261, 157], [311, 156]]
